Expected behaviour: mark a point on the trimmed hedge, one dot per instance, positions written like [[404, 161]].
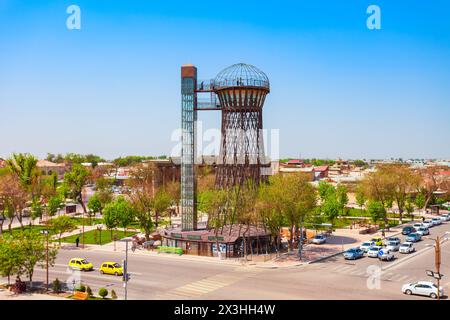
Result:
[[166, 249]]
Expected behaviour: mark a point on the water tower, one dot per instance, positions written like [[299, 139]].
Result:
[[238, 92], [241, 90]]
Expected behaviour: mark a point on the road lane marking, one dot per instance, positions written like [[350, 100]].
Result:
[[198, 288]]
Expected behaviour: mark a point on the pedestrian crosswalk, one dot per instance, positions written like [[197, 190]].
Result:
[[198, 288], [359, 271]]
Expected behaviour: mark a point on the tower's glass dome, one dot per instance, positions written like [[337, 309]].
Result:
[[241, 75]]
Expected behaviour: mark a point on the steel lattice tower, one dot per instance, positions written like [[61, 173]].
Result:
[[241, 90]]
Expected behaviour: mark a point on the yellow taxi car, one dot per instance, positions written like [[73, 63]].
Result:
[[80, 264], [378, 241], [111, 268]]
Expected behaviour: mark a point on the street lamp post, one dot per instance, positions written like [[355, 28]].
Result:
[[46, 254], [437, 264]]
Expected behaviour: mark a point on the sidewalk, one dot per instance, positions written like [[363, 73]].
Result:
[[8, 295]]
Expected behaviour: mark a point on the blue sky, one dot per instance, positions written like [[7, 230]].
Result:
[[338, 89]]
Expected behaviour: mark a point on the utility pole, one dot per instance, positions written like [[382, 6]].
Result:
[[46, 254], [300, 244], [82, 236], [125, 270], [437, 264]]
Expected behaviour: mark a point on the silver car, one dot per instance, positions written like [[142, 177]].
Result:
[[423, 231], [319, 239], [385, 255], [392, 246], [436, 221]]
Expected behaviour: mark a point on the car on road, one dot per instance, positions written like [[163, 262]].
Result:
[[366, 245], [373, 251], [319, 239], [385, 255], [353, 254], [80, 264], [407, 247], [445, 217], [423, 231], [111, 268], [436, 221], [378, 241], [428, 223], [393, 245], [418, 225], [413, 237], [407, 230], [423, 288], [393, 239]]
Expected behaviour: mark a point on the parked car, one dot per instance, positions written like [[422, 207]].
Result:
[[353, 254], [407, 247], [423, 231], [407, 230], [373, 251], [378, 241], [444, 217], [366, 245], [80, 264], [428, 223], [111, 268], [319, 239], [393, 239], [413, 237], [423, 288], [418, 225], [436, 221], [385, 255], [393, 246]]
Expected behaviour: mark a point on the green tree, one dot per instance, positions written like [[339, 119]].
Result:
[[24, 167], [360, 198], [61, 225], [36, 209], [325, 189], [376, 210], [94, 205], [34, 253], [74, 181], [420, 201], [331, 207], [125, 212], [11, 257], [409, 207], [160, 204], [110, 217], [342, 196], [54, 204]]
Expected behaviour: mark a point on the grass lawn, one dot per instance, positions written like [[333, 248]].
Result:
[[26, 228], [87, 222], [93, 236]]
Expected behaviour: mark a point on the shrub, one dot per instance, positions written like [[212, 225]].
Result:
[[89, 291], [113, 294], [80, 288], [57, 287], [102, 292]]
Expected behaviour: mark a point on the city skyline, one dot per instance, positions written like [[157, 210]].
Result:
[[338, 88]]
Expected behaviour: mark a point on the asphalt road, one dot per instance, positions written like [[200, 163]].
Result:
[[162, 277]]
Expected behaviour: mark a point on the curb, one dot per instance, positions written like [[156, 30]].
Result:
[[326, 257]]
